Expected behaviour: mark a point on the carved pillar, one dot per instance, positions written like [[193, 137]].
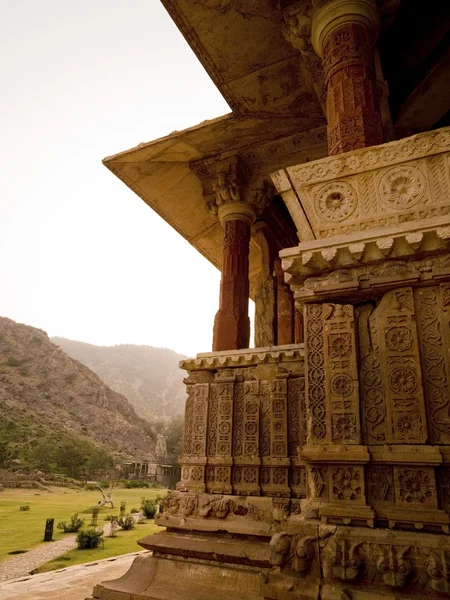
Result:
[[232, 324], [343, 34], [285, 308], [236, 200], [265, 295]]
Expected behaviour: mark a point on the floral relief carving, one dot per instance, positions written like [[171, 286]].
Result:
[[341, 385], [399, 339], [336, 202], [408, 426], [416, 486], [402, 187], [340, 346], [347, 483], [403, 380], [344, 427]]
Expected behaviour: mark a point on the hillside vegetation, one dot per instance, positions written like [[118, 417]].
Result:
[[51, 403]]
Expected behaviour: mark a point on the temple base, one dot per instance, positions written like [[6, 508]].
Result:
[[303, 560]]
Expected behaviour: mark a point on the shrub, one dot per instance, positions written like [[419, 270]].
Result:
[[89, 538], [25, 507], [75, 524], [156, 485], [126, 522], [134, 511], [13, 361], [134, 483], [148, 507], [110, 518]]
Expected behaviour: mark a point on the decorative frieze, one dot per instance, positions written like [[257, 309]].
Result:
[[389, 184]]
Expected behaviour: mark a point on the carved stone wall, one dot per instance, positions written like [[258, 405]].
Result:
[[248, 437]]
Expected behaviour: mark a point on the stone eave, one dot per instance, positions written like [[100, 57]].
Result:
[[159, 172]]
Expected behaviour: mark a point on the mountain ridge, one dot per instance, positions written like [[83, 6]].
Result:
[[43, 389], [148, 377]]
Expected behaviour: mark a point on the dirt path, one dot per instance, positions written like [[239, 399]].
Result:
[[25, 563]]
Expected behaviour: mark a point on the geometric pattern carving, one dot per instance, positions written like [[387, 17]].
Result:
[[315, 376]]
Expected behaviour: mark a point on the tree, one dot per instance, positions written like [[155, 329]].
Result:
[[7, 454], [108, 498]]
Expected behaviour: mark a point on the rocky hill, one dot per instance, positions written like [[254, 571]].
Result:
[[42, 386], [149, 377]]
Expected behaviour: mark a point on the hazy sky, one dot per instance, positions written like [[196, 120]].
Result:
[[81, 256]]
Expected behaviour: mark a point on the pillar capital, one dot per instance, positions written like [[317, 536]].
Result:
[[229, 190], [328, 15]]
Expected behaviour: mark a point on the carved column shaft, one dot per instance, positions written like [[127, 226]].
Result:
[[343, 35], [232, 324], [353, 111], [285, 309]]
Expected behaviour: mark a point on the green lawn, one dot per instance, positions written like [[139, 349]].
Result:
[[21, 530], [125, 542]]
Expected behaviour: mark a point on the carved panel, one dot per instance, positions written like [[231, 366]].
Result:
[[432, 306], [373, 401], [238, 432], [315, 376], [278, 397], [296, 416], [225, 392], [212, 422], [201, 396], [188, 421], [401, 368], [346, 483], [380, 487], [415, 486], [341, 374], [265, 422], [251, 418], [443, 487]]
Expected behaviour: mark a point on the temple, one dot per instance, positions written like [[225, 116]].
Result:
[[316, 464]]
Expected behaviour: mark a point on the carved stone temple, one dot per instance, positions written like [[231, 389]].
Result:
[[316, 464]]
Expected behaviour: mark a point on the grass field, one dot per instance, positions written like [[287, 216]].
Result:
[[125, 542], [24, 530]]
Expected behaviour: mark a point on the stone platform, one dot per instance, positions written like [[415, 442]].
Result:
[[73, 583]]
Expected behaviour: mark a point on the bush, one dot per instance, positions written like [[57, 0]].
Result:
[[126, 522], [13, 361], [89, 538], [25, 507], [134, 483], [156, 485], [149, 508], [133, 511], [75, 524]]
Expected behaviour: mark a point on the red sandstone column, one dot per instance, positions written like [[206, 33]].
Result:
[[285, 309], [299, 336], [343, 34], [232, 324]]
